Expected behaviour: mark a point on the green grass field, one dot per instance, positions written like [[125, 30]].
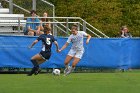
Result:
[[127, 82]]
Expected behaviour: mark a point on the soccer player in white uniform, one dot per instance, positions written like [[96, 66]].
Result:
[[77, 49]]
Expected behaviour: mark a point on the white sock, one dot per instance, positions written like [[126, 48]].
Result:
[[66, 66], [72, 69]]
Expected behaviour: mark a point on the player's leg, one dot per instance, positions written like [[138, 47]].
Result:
[[75, 61], [44, 56], [71, 69], [39, 61], [77, 58], [67, 61], [34, 61]]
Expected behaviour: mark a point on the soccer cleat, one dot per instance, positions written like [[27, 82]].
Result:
[[32, 71], [69, 71], [37, 72], [30, 74]]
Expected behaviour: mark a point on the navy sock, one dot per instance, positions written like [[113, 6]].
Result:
[[35, 63]]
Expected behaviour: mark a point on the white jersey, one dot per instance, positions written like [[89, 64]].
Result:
[[77, 40]]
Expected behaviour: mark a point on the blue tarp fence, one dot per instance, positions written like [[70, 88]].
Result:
[[99, 53]]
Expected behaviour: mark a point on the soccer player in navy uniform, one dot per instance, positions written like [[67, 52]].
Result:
[[44, 55]]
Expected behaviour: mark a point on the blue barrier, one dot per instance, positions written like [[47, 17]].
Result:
[[99, 53]]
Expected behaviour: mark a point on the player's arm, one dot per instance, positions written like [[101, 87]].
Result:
[[57, 46], [64, 46], [33, 43], [67, 43], [88, 38]]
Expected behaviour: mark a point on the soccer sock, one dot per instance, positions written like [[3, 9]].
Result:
[[66, 69], [72, 69], [36, 66], [35, 63]]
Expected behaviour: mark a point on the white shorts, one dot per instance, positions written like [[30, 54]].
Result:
[[77, 54]]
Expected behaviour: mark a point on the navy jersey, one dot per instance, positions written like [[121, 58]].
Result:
[[47, 41]]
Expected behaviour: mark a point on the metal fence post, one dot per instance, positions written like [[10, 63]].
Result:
[[55, 33], [78, 26], [55, 29], [18, 25], [11, 6], [67, 25], [34, 5], [84, 26], [53, 11]]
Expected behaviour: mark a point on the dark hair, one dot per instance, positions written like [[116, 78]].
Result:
[[47, 29], [123, 27], [75, 25], [33, 11]]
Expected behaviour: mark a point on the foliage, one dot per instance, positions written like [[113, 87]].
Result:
[[106, 15]]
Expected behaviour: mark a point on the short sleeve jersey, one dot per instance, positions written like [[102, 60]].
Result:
[[77, 40], [47, 41]]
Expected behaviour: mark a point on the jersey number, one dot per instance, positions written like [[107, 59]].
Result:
[[48, 42]]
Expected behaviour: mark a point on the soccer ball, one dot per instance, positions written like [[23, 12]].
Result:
[[56, 72]]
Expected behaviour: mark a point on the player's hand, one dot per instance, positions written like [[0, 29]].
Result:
[[87, 41], [59, 50], [29, 47]]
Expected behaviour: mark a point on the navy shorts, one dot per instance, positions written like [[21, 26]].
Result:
[[45, 55]]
